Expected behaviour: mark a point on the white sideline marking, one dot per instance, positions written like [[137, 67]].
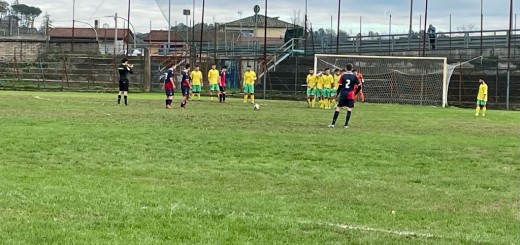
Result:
[[370, 229]]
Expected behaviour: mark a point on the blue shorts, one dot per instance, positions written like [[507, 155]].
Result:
[[185, 91], [169, 92]]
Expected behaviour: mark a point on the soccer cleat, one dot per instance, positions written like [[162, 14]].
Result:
[[331, 126], [476, 114], [345, 127]]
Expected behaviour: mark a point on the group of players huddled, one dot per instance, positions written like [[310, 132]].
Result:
[[339, 90], [323, 87]]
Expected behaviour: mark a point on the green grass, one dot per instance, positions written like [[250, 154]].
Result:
[[76, 169]]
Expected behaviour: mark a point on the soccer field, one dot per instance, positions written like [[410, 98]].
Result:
[[77, 169]]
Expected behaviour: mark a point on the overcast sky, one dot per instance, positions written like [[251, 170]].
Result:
[[375, 13]]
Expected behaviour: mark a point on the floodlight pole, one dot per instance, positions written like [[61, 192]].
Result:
[[169, 25], [509, 52], [481, 26], [128, 25], [424, 36], [265, 48], [201, 31], [337, 34], [73, 24]]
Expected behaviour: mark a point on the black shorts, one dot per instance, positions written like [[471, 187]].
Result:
[[222, 88], [345, 102], [169, 92], [185, 91], [123, 85], [432, 40]]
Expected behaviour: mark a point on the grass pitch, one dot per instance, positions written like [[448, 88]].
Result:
[[76, 169]]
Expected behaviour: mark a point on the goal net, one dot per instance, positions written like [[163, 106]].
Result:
[[398, 80]]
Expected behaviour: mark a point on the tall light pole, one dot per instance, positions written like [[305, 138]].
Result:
[[424, 36], [201, 30], [186, 12], [337, 34], [411, 20], [481, 25], [509, 52], [169, 25], [306, 33], [115, 34], [128, 20], [265, 48], [130, 25], [73, 24]]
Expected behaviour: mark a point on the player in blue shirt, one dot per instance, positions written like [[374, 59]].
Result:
[[185, 86]]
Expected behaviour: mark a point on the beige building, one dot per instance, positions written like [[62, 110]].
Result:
[[248, 27]]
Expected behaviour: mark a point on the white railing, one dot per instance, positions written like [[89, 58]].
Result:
[[280, 55]]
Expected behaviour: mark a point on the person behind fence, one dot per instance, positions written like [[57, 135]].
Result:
[[124, 69], [432, 33]]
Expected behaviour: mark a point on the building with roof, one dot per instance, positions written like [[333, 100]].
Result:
[[105, 37], [253, 27], [157, 41]]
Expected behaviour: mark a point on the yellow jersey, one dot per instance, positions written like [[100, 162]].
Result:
[[483, 92], [311, 81], [320, 82], [328, 80], [196, 78], [335, 84], [213, 75], [249, 77]]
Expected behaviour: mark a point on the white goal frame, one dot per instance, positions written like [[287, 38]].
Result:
[[445, 79]]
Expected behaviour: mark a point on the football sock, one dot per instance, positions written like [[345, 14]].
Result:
[[335, 118], [224, 97], [349, 113], [211, 97], [126, 100], [313, 102], [119, 99], [308, 101], [252, 98], [220, 98], [166, 102], [245, 98], [477, 111], [484, 111], [183, 104]]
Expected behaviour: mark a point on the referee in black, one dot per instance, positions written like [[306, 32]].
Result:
[[124, 69]]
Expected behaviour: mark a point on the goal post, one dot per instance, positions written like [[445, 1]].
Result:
[[395, 79]]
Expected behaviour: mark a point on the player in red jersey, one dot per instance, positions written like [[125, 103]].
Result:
[[346, 94], [185, 86], [361, 81], [222, 85], [169, 86]]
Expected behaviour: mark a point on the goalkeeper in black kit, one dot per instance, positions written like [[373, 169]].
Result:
[[346, 93]]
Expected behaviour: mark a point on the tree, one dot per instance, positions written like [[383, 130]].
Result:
[[4, 8], [46, 23], [26, 13]]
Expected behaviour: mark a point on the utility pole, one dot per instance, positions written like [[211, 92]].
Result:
[[128, 25], [73, 24], [115, 34], [169, 25], [337, 34], [424, 36]]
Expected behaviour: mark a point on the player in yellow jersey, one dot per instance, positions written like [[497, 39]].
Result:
[[213, 76], [319, 88], [482, 98], [335, 85], [196, 81], [311, 88], [249, 84], [328, 81]]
